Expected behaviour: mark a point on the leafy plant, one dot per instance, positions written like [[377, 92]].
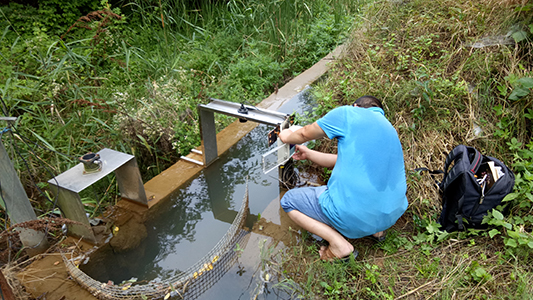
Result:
[[477, 273], [513, 227], [521, 86]]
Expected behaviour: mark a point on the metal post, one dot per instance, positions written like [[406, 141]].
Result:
[[17, 205], [282, 154], [72, 208], [209, 135], [130, 183]]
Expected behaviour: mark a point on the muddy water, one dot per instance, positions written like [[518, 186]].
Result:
[[185, 228]]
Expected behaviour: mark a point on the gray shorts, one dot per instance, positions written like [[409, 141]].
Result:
[[305, 200]]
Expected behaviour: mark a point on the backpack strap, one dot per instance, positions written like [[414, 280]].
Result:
[[467, 158], [459, 214], [432, 173], [475, 160], [460, 155]]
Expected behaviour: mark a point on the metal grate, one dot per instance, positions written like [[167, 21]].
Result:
[[190, 284]]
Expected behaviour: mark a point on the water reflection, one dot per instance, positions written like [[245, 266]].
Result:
[[184, 229]]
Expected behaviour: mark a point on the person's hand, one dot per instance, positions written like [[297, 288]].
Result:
[[301, 152]]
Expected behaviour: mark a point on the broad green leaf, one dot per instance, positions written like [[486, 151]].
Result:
[[432, 228], [510, 197], [442, 235], [513, 234], [480, 272], [518, 93], [526, 82], [519, 36], [511, 243], [529, 196], [530, 244], [529, 114], [493, 233], [498, 215]]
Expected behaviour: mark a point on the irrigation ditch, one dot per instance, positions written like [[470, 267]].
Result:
[[57, 274]]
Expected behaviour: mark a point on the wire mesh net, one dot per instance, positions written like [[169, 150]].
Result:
[[189, 284]]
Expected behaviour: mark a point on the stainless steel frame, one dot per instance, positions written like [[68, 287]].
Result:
[[69, 184], [207, 122]]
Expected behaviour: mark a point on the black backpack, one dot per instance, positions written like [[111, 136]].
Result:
[[472, 186]]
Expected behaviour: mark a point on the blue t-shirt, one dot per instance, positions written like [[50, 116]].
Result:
[[366, 190]]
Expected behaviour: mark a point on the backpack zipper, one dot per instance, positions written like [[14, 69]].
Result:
[[483, 192], [482, 198]]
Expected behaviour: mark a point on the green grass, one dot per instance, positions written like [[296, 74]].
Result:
[[130, 76], [415, 56]]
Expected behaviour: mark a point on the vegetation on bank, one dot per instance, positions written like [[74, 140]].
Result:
[[127, 75], [450, 73]]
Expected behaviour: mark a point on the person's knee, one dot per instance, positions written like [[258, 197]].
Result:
[[286, 202]]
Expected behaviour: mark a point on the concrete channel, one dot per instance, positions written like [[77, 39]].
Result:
[[47, 275]]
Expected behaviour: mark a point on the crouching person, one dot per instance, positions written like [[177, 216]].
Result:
[[365, 194]]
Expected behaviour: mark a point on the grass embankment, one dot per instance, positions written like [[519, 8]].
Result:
[[439, 91]]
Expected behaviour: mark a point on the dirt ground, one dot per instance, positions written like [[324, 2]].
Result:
[[45, 276]]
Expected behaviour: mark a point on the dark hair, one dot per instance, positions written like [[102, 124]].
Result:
[[368, 101]]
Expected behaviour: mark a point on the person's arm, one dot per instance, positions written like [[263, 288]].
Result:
[[322, 159], [302, 135]]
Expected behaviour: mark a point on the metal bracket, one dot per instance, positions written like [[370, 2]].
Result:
[[69, 184], [241, 111]]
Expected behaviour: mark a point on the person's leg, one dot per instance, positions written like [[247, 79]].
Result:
[[338, 245], [303, 208]]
